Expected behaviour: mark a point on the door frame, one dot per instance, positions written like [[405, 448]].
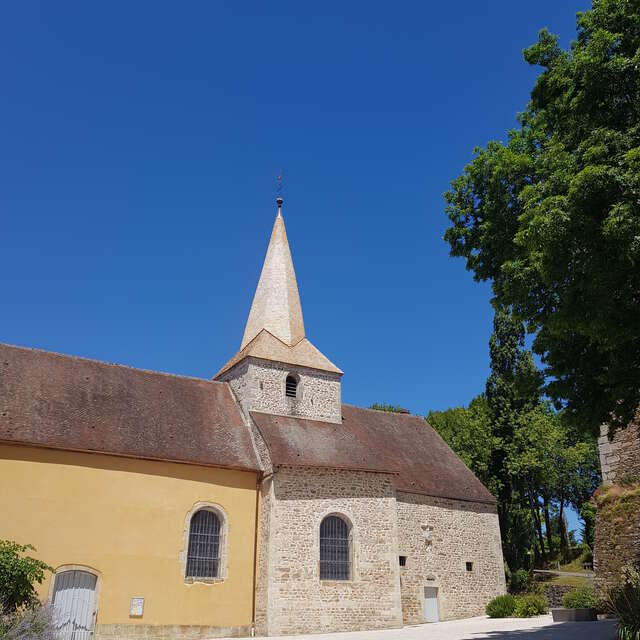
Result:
[[78, 567], [437, 588]]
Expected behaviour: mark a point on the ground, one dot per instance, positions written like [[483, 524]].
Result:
[[539, 628]]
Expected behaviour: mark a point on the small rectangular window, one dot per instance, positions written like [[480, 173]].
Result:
[[469, 566], [403, 561]]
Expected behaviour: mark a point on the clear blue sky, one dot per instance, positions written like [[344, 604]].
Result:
[[139, 145]]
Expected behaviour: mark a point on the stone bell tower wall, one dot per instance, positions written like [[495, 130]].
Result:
[[259, 385]]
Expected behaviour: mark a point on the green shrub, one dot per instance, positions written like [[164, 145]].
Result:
[[501, 607], [18, 575], [520, 581], [624, 602], [581, 598], [530, 605]]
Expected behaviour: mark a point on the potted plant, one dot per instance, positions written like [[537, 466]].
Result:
[[579, 605]]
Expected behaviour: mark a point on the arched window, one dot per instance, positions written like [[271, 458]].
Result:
[[203, 555], [335, 549], [291, 387]]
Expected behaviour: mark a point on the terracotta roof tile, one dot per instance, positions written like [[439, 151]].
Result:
[[64, 402], [266, 346], [374, 441]]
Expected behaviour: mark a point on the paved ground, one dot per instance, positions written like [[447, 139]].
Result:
[[540, 628]]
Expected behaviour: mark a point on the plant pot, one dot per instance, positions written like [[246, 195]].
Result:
[[574, 615]]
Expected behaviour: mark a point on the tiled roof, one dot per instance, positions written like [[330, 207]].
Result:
[[401, 444], [64, 402], [266, 346]]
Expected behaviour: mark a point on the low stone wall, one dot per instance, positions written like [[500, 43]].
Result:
[[617, 536], [166, 632], [555, 593]]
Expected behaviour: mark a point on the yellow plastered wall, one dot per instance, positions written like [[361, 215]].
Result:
[[125, 518]]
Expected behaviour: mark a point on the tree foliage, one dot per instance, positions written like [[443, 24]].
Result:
[[390, 408], [552, 216], [18, 576], [526, 453], [467, 430]]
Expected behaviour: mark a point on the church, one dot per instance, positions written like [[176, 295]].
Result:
[[253, 503]]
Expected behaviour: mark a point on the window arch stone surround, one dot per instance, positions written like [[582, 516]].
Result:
[[222, 553], [347, 518]]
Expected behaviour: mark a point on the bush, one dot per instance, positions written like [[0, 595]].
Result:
[[624, 602], [18, 575], [581, 598], [501, 607], [530, 605], [520, 581]]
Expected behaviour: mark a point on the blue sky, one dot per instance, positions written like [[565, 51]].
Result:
[[139, 145]]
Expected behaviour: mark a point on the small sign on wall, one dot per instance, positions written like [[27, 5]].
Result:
[[137, 607]]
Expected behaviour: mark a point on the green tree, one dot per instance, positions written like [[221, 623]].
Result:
[[552, 216], [588, 515], [391, 408], [513, 389], [18, 576], [467, 430]]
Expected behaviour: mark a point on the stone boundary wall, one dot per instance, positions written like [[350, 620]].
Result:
[[298, 601], [621, 455], [555, 593], [439, 536], [617, 541]]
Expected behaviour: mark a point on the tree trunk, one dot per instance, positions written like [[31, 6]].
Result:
[[564, 541], [535, 516], [536, 519], [547, 523]]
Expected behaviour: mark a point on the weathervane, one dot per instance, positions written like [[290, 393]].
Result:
[[279, 199]]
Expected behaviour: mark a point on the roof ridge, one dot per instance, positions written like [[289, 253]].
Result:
[[67, 356]]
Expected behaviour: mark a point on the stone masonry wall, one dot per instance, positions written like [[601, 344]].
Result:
[[459, 532], [621, 455], [617, 535], [260, 386], [617, 538], [298, 601]]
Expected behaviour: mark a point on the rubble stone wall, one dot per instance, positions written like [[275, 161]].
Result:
[[439, 536]]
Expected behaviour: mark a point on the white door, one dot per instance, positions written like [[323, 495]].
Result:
[[74, 605], [431, 604]]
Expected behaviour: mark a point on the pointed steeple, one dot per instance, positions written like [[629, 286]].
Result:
[[275, 329], [276, 303]]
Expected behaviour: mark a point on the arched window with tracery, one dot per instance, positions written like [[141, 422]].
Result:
[[203, 555], [335, 549]]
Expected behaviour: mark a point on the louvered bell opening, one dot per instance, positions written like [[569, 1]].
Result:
[[335, 557], [291, 387], [203, 556]]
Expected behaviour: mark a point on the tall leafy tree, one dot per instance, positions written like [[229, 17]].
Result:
[[513, 389], [552, 216], [467, 430]]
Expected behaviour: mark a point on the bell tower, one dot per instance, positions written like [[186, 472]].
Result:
[[277, 370]]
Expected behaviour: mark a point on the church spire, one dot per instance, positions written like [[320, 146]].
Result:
[[276, 303]]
